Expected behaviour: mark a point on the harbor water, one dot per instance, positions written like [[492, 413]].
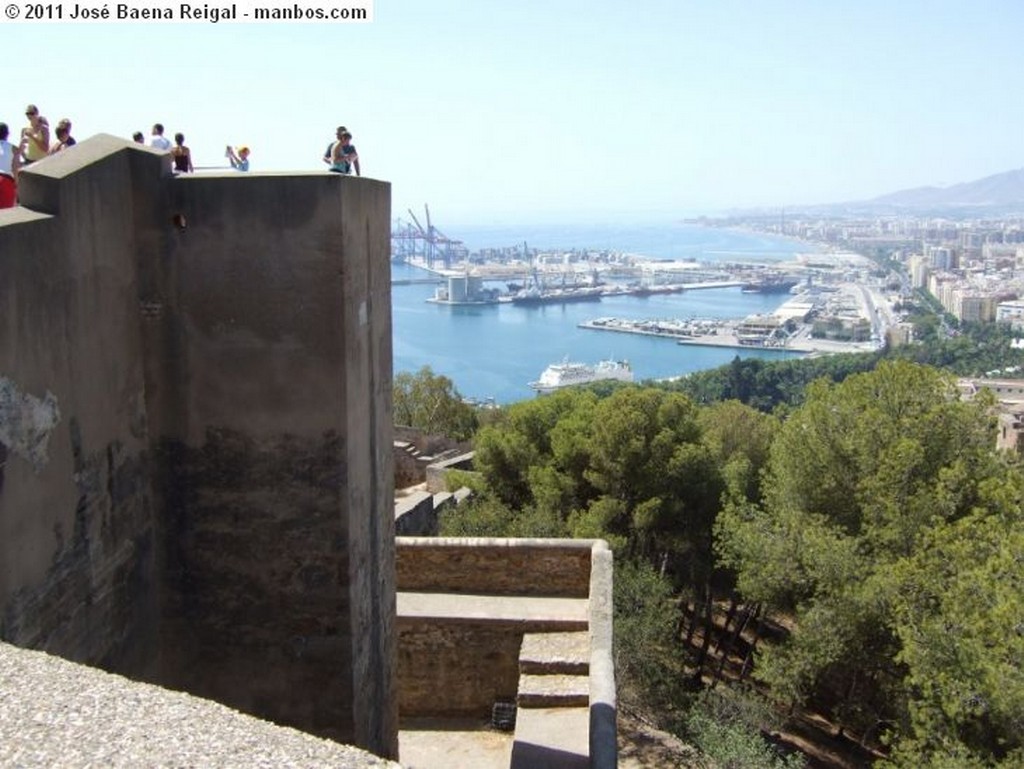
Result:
[[493, 351]]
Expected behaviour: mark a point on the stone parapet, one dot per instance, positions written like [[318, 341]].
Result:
[[551, 567]]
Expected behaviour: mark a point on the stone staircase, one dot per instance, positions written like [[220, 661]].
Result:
[[553, 698]]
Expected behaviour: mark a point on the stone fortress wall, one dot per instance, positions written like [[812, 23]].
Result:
[[195, 440]]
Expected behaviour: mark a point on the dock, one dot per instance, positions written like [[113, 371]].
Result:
[[416, 281], [712, 332]]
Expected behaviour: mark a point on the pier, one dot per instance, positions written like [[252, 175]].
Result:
[[713, 332], [416, 281]]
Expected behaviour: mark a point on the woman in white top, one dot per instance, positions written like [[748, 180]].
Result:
[[9, 164]]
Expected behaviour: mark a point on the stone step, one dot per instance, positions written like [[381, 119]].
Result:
[[529, 614], [553, 691], [555, 653], [556, 738]]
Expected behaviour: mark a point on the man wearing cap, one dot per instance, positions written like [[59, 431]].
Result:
[[35, 137]]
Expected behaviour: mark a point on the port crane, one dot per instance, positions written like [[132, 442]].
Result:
[[427, 243]]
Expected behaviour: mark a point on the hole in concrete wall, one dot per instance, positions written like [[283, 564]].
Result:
[[503, 716]]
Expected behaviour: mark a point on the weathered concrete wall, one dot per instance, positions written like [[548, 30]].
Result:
[[196, 480], [551, 567], [276, 343], [77, 532]]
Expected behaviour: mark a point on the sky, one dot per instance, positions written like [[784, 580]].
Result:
[[532, 111]]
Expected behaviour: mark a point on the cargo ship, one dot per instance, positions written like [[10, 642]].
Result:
[[769, 286], [534, 296]]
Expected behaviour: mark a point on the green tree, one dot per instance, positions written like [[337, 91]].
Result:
[[430, 402], [739, 438], [727, 725], [648, 664], [857, 477], [630, 467], [959, 615]]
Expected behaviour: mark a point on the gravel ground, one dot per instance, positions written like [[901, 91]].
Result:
[[54, 713]]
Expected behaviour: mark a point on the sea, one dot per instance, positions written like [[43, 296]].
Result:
[[492, 352]]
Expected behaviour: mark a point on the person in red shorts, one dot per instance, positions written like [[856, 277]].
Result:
[[10, 161]]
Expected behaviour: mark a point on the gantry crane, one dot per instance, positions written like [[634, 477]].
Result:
[[427, 243]]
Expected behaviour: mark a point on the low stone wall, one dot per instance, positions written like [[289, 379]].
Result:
[[425, 443], [409, 470], [461, 665], [438, 470], [603, 703], [455, 669], [548, 567], [415, 515]]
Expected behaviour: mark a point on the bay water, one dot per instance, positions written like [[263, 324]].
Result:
[[494, 351]]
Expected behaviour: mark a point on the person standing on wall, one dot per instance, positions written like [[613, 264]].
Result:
[[35, 137], [10, 161], [64, 137], [159, 141], [239, 160], [330, 147], [344, 157], [181, 155]]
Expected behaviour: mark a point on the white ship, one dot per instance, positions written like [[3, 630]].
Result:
[[567, 374]]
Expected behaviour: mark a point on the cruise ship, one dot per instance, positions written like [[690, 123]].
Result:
[[567, 374]]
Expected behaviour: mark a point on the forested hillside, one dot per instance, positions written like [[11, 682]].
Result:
[[858, 554]]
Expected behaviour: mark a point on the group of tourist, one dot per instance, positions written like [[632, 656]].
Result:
[[34, 144], [181, 155]]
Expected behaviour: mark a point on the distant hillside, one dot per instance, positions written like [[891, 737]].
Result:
[[996, 191], [996, 195]]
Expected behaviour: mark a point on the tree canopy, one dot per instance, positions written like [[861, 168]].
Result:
[[430, 402], [873, 517]]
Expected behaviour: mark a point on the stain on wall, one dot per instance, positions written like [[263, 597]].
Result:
[[26, 422]]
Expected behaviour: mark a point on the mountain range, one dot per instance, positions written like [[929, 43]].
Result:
[[999, 191]]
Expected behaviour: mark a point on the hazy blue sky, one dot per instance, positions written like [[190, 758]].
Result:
[[530, 111]]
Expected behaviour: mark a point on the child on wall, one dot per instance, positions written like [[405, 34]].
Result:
[[240, 159]]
